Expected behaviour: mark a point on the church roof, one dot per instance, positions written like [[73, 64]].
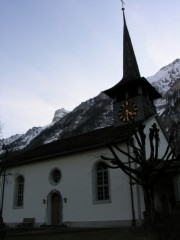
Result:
[[132, 84], [90, 140]]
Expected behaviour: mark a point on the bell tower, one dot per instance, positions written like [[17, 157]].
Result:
[[133, 96]]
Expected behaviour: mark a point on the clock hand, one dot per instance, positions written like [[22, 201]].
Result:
[[127, 116]]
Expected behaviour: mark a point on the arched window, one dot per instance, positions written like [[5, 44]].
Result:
[[102, 182], [19, 191]]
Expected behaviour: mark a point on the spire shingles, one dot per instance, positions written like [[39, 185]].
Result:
[[130, 67]]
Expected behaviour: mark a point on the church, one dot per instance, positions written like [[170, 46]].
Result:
[[67, 183]]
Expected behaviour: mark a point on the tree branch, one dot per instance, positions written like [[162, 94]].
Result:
[[124, 168]]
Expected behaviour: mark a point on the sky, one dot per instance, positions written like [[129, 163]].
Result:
[[58, 53]]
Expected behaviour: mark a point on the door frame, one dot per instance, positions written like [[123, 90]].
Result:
[[49, 206]]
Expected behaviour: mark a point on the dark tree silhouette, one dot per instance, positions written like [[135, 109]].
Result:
[[144, 171]]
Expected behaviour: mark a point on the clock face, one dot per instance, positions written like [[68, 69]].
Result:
[[128, 111]]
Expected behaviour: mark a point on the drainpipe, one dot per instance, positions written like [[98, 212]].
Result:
[[131, 191], [139, 203]]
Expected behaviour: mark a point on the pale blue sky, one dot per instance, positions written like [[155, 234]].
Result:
[[59, 53]]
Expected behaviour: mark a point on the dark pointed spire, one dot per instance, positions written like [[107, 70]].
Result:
[[131, 84], [130, 67]]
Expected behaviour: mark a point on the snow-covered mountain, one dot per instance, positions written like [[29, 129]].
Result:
[[97, 113], [164, 81], [92, 114], [21, 141], [60, 113]]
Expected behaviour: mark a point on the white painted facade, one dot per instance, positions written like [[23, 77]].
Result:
[[76, 189]]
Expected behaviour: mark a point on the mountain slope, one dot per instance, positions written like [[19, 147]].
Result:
[[92, 114], [163, 81], [97, 113], [165, 78]]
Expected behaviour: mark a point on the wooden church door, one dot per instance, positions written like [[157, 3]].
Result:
[[56, 209]]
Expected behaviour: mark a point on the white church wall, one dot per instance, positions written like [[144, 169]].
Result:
[[75, 188]]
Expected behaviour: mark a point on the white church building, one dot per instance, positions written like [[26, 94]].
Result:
[[66, 183]]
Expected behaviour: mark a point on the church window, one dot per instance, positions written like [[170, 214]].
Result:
[[19, 191], [102, 182], [55, 176]]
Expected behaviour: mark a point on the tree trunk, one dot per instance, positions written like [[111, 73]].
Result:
[[149, 215]]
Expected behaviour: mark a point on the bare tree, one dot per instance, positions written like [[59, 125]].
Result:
[[144, 171]]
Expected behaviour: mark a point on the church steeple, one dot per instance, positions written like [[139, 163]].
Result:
[[131, 83], [130, 66], [133, 96]]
